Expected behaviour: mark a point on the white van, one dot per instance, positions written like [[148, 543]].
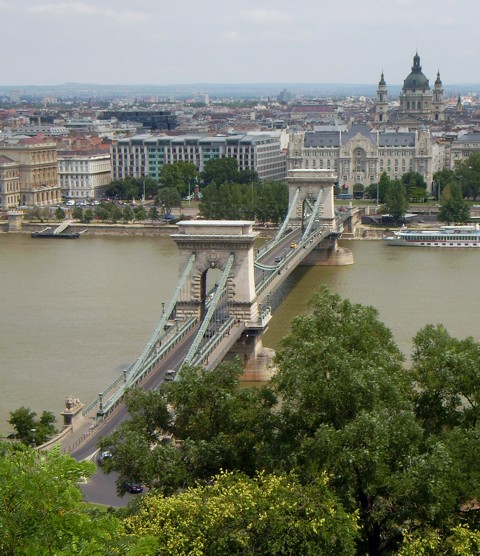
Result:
[[70, 203]]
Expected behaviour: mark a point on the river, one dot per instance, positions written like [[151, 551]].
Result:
[[75, 313]]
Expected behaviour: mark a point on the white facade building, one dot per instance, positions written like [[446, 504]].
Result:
[[84, 174]]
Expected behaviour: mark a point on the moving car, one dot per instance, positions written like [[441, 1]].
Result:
[[132, 488], [293, 245]]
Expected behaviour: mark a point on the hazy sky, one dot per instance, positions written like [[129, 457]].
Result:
[[48, 42]]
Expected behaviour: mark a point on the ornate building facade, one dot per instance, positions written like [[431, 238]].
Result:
[[37, 169], [360, 155]]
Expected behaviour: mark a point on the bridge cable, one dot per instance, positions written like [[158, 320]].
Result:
[[160, 328], [287, 218], [314, 215], [211, 309]]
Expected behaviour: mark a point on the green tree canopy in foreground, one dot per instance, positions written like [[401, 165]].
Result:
[[400, 447], [266, 514], [40, 511]]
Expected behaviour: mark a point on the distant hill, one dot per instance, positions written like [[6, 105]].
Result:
[[217, 90]]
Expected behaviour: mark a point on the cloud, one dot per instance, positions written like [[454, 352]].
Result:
[[84, 9], [232, 36]]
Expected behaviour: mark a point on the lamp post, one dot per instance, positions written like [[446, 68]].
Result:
[[33, 437]]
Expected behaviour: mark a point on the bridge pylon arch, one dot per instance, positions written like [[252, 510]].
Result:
[[305, 185], [213, 242]]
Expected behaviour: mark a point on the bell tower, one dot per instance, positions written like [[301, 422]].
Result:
[[438, 106], [381, 103]]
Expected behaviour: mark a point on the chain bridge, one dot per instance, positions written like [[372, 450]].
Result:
[[222, 301]]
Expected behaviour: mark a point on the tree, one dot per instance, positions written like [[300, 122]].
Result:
[[127, 214], [446, 372], [153, 214], [220, 170], [40, 506], [440, 180], [179, 175], [193, 428], [415, 185], [396, 203], [77, 213], [60, 213], [88, 216], [379, 189], [468, 174], [115, 214], [348, 410], [29, 430], [169, 197], [266, 514], [453, 207], [139, 214]]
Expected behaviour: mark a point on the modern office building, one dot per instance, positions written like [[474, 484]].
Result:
[[144, 155], [150, 119], [37, 169], [84, 174], [360, 155]]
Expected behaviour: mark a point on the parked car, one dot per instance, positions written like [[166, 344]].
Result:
[[132, 488]]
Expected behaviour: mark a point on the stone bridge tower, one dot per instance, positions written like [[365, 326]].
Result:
[[212, 242], [308, 184]]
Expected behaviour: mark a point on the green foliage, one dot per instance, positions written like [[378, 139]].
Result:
[[415, 185], [267, 514], [127, 214], [348, 409], [77, 213], [447, 374], [440, 180], [169, 197], [379, 188], [30, 430], [60, 213], [139, 214], [396, 203], [217, 425], [453, 207], [179, 175], [261, 201], [220, 170], [40, 511], [468, 174], [132, 188], [153, 214], [88, 216]]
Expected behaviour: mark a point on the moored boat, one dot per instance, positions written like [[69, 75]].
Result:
[[445, 236]]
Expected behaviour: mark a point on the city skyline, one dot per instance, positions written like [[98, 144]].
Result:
[[50, 42]]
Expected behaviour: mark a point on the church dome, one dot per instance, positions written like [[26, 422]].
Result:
[[416, 79]]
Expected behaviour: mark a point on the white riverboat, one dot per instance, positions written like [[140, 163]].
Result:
[[445, 236]]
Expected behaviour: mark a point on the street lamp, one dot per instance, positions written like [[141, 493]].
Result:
[[33, 437]]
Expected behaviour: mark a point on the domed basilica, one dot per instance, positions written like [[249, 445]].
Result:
[[419, 104]]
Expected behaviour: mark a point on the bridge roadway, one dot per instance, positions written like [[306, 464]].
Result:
[[82, 443]]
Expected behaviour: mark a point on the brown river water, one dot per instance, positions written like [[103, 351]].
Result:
[[75, 313]]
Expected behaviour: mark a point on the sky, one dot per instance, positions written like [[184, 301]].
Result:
[[159, 42]]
